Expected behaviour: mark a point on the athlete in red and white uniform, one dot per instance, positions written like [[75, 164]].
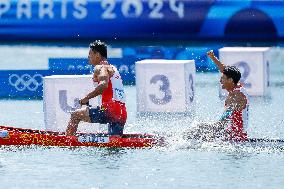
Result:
[[237, 120], [113, 99], [113, 104], [112, 110], [234, 120]]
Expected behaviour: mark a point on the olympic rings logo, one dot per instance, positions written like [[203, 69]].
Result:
[[26, 81]]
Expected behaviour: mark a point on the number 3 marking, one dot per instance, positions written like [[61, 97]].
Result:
[[191, 93], [164, 88]]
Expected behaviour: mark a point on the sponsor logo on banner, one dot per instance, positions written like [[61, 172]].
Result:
[[80, 67], [25, 81]]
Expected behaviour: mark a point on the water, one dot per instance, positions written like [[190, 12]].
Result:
[[176, 166]]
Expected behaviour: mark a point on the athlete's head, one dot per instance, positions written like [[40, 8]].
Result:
[[230, 77], [97, 52]]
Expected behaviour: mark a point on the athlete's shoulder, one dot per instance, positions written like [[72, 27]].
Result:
[[97, 68], [112, 67], [112, 70], [238, 95]]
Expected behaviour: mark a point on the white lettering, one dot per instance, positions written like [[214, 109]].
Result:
[[24, 9], [81, 11], [123, 69], [178, 8], [108, 6], [132, 8], [156, 6], [132, 68], [4, 6], [45, 8], [64, 9]]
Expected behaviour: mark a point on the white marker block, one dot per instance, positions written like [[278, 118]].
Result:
[[165, 86], [60, 97], [253, 63]]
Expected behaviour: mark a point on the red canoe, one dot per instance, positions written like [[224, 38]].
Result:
[[20, 136]]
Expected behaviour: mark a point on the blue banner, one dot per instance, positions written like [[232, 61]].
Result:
[[126, 66], [141, 19], [27, 83]]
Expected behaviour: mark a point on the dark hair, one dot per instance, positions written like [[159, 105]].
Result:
[[233, 72], [100, 47]]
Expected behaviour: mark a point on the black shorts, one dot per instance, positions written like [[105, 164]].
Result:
[[97, 115]]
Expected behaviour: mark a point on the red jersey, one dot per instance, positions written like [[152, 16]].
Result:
[[113, 99], [236, 129]]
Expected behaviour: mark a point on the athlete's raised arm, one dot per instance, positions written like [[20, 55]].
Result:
[[219, 64]]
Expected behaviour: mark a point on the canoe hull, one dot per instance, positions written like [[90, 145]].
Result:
[[19, 136]]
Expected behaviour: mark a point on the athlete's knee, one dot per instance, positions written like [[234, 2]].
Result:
[[77, 115]]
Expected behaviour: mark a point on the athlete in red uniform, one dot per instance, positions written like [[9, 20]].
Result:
[[112, 109], [237, 118], [233, 121]]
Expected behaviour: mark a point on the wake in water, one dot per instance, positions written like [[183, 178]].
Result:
[[179, 139]]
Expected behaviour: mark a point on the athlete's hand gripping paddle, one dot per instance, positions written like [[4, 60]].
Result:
[[82, 103], [78, 104]]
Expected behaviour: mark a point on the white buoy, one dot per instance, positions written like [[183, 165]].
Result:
[[165, 86], [254, 63], [61, 94]]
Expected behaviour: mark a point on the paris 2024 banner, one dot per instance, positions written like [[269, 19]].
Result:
[[141, 19]]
